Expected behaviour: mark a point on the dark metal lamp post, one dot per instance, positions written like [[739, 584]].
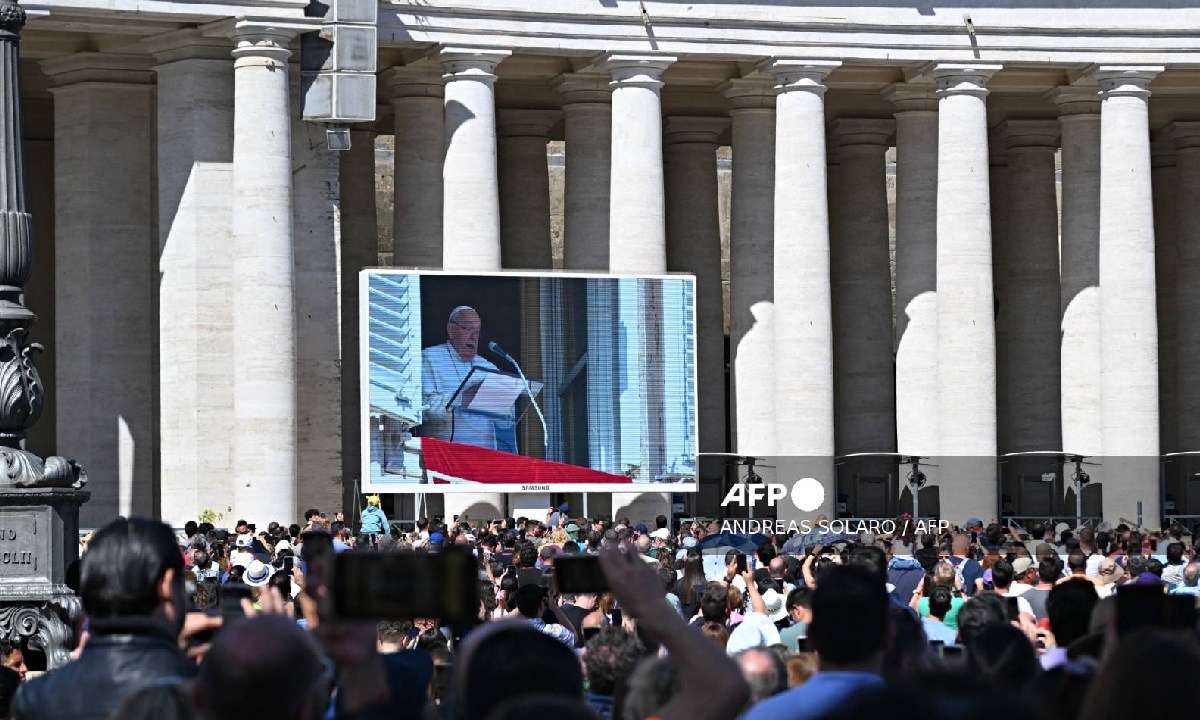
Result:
[[39, 499]]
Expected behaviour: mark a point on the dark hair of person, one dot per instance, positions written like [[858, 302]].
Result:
[[651, 686], [393, 631], [800, 597], [1003, 654], [1175, 554], [714, 603], [984, 610], [908, 652], [940, 601], [190, 527], [693, 575], [1069, 607], [528, 600], [871, 559], [125, 561], [610, 658], [1002, 574], [527, 554], [850, 616], [1143, 659], [1049, 569], [766, 553], [1076, 562], [491, 677]]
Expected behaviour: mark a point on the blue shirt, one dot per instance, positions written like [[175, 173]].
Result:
[[936, 630], [823, 692]]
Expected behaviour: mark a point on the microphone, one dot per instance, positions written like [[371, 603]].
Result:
[[495, 347]]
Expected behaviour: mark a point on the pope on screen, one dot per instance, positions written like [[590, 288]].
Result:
[[443, 369]]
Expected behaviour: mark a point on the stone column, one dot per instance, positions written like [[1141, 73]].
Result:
[[525, 188], [106, 262], [862, 292], [587, 109], [471, 196], [966, 326], [694, 246], [1079, 274], [751, 259], [471, 192], [637, 214], [998, 190], [264, 324], [804, 421], [1165, 179], [916, 267], [195, 319], [1128, 315], [419, 145], [359, 236], [1187, 295], [1032, 378], [637, 229]]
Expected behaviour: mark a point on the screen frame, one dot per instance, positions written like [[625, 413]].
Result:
[[367, 482]]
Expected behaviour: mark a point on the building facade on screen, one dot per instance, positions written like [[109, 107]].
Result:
[[960, 232]]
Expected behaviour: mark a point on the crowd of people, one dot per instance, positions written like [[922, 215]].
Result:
[[984, 620]]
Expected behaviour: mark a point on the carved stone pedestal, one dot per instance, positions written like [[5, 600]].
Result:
[[39, 540]]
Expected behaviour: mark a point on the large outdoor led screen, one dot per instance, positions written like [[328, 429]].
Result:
[[527, 383]]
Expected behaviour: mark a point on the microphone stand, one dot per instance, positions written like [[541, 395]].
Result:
[[532, 401]]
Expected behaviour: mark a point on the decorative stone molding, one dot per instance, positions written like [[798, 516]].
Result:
[[1126, 80], [470, 63], [99, 67], [421, 80], [703, 130], [914, 96], [187, 44], [1076, 100], [584, 88], [526, 123], [637, 70], [1041, 134], [748, 94], [961, 78], [862, 131], [805, 75]]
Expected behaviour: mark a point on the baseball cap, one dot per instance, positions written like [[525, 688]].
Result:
[[244, 541], [974, 523], [437, 537], [641, 527], [661, 534], [1021, 566], [689, 542], [564, 508]]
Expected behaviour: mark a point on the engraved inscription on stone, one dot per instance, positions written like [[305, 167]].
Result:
[[19, 544]]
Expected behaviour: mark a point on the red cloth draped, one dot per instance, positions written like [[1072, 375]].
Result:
[[492, 467]]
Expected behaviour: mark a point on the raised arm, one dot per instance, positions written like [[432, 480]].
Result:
[[711, 685]]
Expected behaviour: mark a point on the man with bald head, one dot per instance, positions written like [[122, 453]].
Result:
[[443, 369], [263, 667]]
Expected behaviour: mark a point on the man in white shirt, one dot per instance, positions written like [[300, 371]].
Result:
[[1021, 571], [443, 369]]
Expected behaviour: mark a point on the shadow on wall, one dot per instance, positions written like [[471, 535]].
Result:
[[642, 508], [482, 511]]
